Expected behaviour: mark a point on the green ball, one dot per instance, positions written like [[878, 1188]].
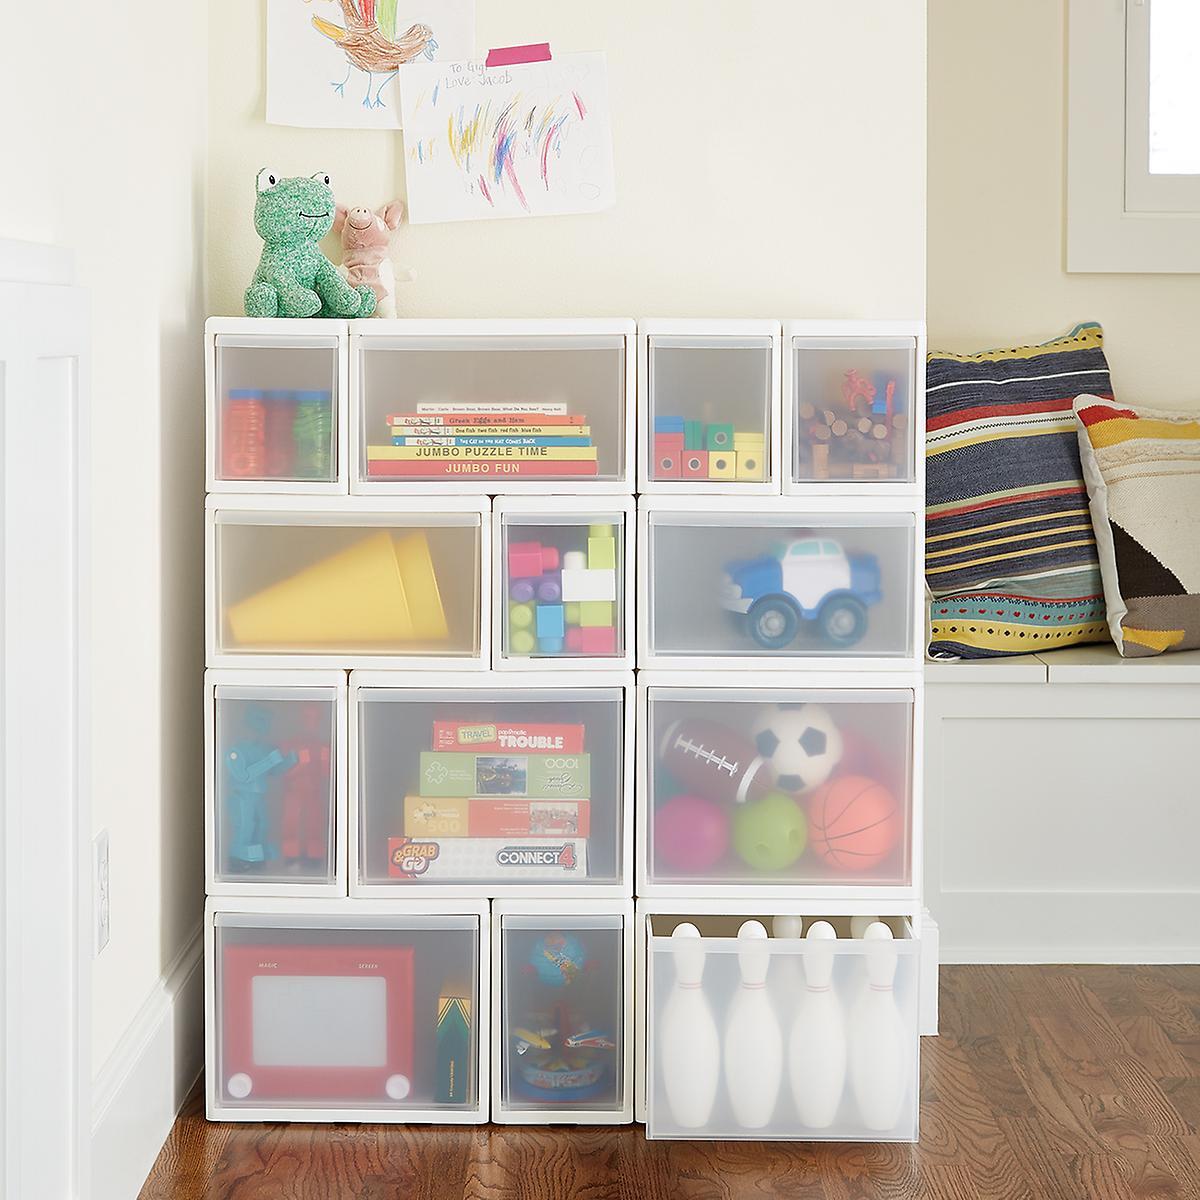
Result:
[[770, 834]]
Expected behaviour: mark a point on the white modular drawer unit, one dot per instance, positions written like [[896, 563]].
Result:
[[785, 585], [563, 583], [493, 406], [709, 407], [275, 783], [562, 1012], [276, 397], [349, 582], [318, 1011], [803, 790], [803, 1028], [510, 784], [854, 407]]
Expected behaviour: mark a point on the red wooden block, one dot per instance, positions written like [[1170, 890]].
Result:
[[667, 441], [667, 465], [694, 464]]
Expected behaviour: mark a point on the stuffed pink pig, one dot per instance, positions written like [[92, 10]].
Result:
[[366, 238]]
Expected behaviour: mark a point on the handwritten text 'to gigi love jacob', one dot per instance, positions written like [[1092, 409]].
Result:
[[473, 73]]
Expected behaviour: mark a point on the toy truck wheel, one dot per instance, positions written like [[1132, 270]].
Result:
[[773, 622], [843, 621]]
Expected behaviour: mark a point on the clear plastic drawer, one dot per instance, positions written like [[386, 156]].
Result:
[[561, 1018], [805, 1038], [781, 787], [337, 1015], [776, 588], [493, 406], [276, 768], [489, 790], [351, 587]]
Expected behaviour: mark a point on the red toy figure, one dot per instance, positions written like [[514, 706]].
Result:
[[304, 803]]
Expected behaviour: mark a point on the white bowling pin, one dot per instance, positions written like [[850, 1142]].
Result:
[[817, 1048], [753, 1041], [786, 977], [880, 1055], [860, 925], [690, 1048]]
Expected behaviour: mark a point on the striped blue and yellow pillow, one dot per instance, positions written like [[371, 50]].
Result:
[[1010, 557]]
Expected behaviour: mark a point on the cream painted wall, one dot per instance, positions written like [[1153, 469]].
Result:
[[996, 181], [769, 155], [107, 156]]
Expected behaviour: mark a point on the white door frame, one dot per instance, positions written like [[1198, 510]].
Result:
[[45, 761]]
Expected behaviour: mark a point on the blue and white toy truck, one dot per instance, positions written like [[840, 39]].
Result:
[[810, 579]]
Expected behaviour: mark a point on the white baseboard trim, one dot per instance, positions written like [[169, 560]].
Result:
[[146, 1079], [1068, 955]]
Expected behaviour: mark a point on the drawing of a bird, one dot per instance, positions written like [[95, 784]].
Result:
[[368, 48]]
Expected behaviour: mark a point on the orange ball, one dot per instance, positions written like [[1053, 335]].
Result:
[[854, 823]]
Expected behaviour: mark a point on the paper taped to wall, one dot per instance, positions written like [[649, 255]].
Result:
[[526, 139], [331, 64]]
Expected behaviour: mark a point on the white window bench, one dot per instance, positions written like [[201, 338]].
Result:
[[1063, 807]]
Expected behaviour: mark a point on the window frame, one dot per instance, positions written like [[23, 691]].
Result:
[[1103, 232]]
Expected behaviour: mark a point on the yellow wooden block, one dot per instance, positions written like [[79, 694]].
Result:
[[750, 464], [593, 613], [722, 464]]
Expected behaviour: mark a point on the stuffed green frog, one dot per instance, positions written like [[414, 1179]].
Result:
[[294, 279]]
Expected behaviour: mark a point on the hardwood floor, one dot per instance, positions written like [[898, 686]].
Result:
[[1050, 1083]]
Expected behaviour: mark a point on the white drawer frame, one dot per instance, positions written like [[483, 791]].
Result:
[[713, 332], [275, 680], [347, 506], [549, 909], [590, 894], [477, 1114]]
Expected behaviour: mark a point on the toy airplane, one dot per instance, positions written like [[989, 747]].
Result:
[[591, 1038], [527, 1039]]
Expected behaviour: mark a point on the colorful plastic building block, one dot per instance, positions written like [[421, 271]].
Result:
[[593, 613], [694, 465], [550, 645], [551, 622], [602, 548], [598, 639], [668, 424], [587, 585], [528, 560], [571, 612], [693, 435]]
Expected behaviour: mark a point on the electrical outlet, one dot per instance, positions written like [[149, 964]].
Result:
[[100, 890]]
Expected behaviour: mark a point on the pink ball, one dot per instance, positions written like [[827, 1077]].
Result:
[[691, 834]]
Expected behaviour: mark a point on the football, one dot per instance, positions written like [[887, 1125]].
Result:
[[714, 761], [801, 744]]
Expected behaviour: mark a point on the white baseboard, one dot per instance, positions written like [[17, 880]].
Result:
[[146, 1079]]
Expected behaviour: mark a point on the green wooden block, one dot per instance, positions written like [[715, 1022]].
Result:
[[693, 435], [718, 437]]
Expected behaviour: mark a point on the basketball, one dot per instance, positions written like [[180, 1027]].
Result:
[[854, 823]]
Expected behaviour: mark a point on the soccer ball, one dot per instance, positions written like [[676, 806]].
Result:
[[801, 744]]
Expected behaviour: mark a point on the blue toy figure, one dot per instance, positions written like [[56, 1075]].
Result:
[[249, 764]]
